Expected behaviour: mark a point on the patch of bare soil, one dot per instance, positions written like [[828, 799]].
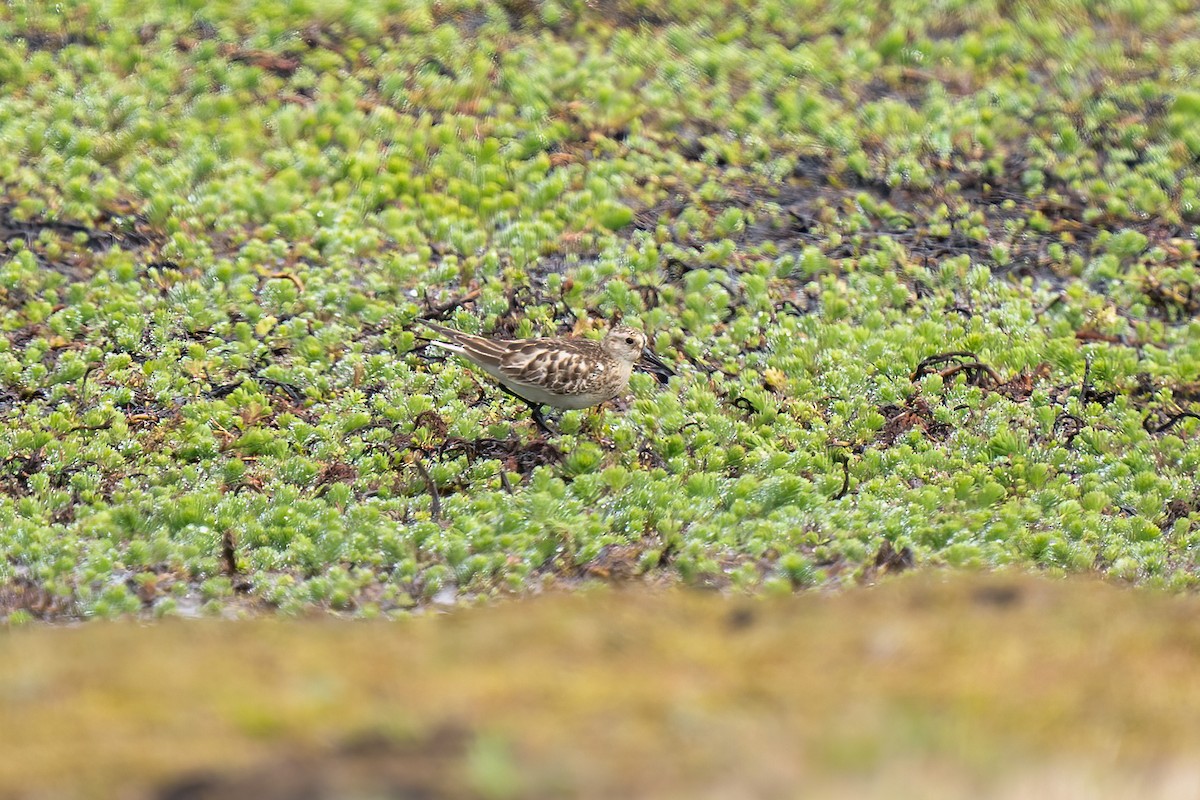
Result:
[[369, 767]]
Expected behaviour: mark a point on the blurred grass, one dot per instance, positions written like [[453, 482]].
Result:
[[926, 686]]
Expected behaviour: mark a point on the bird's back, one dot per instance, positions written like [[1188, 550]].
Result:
[[564, 373]]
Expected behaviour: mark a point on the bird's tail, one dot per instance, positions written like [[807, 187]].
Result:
[[486, 352]]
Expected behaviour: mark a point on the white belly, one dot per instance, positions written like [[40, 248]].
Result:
[[535, 394]]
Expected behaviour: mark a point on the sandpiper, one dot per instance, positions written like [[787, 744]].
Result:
[[559, 372]]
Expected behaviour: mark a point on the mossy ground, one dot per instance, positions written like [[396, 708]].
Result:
[[927, 274], [928, 685]]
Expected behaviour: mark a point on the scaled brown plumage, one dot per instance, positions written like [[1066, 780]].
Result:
[[559, 372]]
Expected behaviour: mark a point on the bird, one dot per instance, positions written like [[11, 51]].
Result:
[[561, 372]]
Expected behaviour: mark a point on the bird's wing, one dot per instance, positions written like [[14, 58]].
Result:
[[558, 365]]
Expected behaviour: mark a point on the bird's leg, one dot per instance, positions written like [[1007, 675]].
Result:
[[536, 408], [539, 419]]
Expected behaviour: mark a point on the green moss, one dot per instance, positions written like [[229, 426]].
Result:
[[224, 228]]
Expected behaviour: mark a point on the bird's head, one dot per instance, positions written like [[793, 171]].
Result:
[[625, 343], [629, 345]]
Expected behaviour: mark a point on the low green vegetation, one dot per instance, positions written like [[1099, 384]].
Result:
[[927, 276]]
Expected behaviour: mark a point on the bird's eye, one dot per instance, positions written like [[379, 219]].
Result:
[[628, 340]]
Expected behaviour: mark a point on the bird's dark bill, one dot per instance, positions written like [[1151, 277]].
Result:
[[650, 363]]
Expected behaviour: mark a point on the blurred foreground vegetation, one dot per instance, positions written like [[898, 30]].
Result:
[[979, 686]]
